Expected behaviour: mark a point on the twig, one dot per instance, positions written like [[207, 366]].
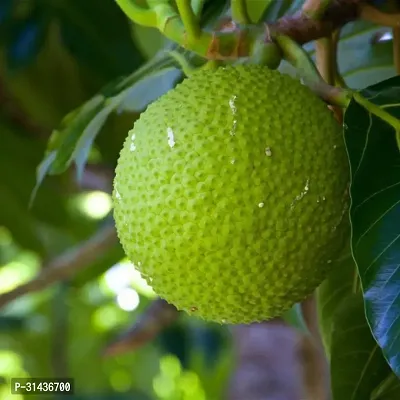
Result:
[[339, 81], [67, 264], [189, 19], [241, 43], [268, 367], [298, 57], [321, 381], [324, 52], [154, 319], [396, 48], [371, 14]]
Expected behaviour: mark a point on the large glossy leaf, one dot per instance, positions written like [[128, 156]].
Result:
[[363, 60], [357, 363], [332, 292], [389, 389], [375, 211]]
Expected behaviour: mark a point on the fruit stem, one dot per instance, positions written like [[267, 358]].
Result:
[[299, 58], [378, 112], [239, 12], [189, 19], [183, 62], [325, 59]]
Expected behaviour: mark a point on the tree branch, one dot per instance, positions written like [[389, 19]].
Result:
[[242, 43], [158, 316], [320, 380], [371, 14], [67, 264]]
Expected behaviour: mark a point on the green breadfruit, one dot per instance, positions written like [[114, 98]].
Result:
[[231, 194]]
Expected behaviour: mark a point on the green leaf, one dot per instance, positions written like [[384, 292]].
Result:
[[100, 37], [73, 140], [362, 59], [357, 363], [375, 210], [332, 293], [389, 389], [277, 9]]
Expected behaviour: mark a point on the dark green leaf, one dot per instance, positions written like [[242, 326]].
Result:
[[357, 363], [332, 293], [279, 8], [389, 389], [362, 59], [99, 36], [375, 210]]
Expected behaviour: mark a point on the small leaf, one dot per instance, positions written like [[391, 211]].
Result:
[[357, 363], [64, 139], [41, 172], [148, 90], [375, 212], [85, 142], [78, 130]]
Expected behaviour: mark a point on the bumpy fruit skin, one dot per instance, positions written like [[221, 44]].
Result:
[[231, 194]]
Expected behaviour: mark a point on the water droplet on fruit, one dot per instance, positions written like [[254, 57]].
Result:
[[329, 261], [268, 152], [345, 126], [301, 195], [232, 105], [223, 321], [233, 161], [261, 205], [171, 137], [233, 130], [323, 198], [133, 146], [334, 146], [117, 195], [193, 309]]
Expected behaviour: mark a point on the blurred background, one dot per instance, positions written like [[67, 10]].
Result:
[[89, 315]]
